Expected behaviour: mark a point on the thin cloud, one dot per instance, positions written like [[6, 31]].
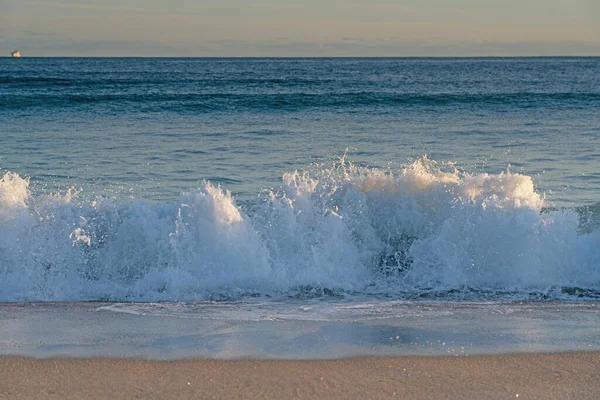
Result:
[[35, 34], [88, 6], [107, 8]]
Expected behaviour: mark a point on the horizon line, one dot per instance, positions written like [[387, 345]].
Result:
[[323, 57]]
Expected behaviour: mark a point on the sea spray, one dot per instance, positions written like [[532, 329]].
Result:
[[424, 230]]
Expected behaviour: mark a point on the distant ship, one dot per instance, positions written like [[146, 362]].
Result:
[[16, 54]]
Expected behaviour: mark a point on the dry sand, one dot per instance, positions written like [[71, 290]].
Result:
[[525, 376]]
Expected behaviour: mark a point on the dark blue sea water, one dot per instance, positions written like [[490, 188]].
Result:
[[193, 179]]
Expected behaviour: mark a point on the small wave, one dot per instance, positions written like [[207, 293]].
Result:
[[34, 80], [208, 101], [426, 230]]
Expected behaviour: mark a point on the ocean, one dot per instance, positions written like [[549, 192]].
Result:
[[320, 189]]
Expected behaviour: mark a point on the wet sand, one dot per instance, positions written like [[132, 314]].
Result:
[[524, 376], [277, 330]]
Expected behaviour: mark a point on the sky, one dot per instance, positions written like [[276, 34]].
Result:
[[284, 28]]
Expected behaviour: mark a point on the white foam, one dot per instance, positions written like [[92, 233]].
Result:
[[14, 191], [423, 228]]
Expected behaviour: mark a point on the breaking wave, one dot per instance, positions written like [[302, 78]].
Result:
[[426, 230]]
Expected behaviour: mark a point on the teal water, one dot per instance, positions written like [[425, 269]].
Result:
[[157, 127], [398, 178]]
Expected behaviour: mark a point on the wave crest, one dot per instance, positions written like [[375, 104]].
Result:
[[425, 228]]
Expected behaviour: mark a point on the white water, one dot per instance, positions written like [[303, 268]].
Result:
[[426, 228]]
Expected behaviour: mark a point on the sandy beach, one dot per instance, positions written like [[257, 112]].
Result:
[[549, 376]]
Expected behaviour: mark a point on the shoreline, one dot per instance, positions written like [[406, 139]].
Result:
[[536, 375], [295, 329]]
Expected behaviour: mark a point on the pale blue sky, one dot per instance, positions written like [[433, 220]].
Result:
[[300, 28]]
